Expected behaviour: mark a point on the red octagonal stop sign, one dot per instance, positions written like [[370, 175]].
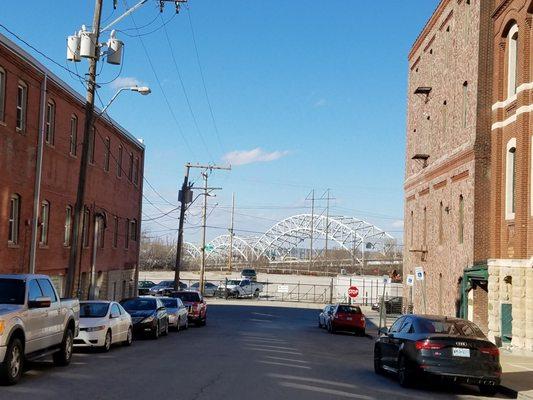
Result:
[[353, 292]]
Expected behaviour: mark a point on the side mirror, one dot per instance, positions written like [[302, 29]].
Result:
[[40, 302], [112, 316]]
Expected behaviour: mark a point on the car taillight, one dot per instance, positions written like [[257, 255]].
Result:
[[427, 345], [492, 351]]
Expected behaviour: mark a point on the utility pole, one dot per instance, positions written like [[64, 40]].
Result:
[[185, 197], [230, 256], [75, 248]]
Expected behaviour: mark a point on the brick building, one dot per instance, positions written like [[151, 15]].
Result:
[[447, 160], [34, 102], [511, 240]]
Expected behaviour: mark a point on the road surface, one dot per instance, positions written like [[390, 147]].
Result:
[[244, 352]]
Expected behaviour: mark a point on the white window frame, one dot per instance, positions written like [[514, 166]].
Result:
[[512, 61], [22, 105], [14, 219], [50, 123], [510, 179], [45, 222]]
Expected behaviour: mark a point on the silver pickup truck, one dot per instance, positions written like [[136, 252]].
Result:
[[34, 323]]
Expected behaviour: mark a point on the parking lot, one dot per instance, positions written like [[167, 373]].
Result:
[[244, 352]]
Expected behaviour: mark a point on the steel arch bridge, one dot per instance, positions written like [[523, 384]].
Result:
[[191, 251], [354, 235]]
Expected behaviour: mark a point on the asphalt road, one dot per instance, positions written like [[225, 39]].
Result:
[[244, 352]]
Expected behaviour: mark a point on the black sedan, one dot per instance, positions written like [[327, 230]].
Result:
[[435, 346], [148, 314], [394, 305], [144, 287]]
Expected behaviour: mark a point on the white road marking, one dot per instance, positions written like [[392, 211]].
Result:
[[284, 364], [272, 347], [276, 351], [314, 380], [261, 320], [287, 359], [318, 389], [521, 367]]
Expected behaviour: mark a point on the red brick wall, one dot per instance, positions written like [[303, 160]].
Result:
[[105, 191]]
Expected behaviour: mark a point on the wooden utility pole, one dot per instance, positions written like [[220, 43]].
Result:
[[230, 255], [185, 197], [76, 245]]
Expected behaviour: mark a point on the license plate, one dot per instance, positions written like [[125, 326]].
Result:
[[458, 352], [349, 318]]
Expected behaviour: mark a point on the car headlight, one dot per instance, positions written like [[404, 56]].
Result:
[[149, 319], [2, 327], [96, 328]]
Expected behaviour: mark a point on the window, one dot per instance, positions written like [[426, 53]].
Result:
[[396, 326], [465, 103], [47, 289], [119, 162], [441, 228], [45, 218], [86, 219], [512, 61], [91, 145], [22, 100], [34, 290], [133, 230], [2, 93], [68, 226], [510, 179], [50, 123], [14, 218], [425, 228], [460, 227], [136, 171], [115, 233], [115, 311], [130, 171], [73, 135], [107, 155], [127, 235], [101, 232]]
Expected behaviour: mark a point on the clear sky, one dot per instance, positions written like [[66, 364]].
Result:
[[304, 95]]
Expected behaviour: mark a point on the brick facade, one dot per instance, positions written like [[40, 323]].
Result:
[[446, 206], [107, 193]]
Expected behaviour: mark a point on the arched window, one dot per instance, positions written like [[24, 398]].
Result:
[[45, 219], [22, 102], [510, 179], [512, 60], [68, 226], [73, 135], [14, 219]]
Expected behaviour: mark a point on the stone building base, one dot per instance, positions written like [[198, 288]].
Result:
[[511, 295]]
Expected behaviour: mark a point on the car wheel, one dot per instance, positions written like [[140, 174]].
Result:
[[129, 337], [64, 355], [378, 367], [488, 390], [256, 293], [107, 344], [11, 369], [404, 373], [155, 332]]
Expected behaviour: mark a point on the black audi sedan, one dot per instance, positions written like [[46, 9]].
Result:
[[418, 346], [148, 314]]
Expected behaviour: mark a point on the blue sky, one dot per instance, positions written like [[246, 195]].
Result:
[[314, 92]]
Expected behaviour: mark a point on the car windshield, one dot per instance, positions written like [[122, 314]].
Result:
[[188, 297], [139, 304], [146, 284], [248, 272], [170, 303], [165, 284], [234, 282], [349, 309], [12, 291], [93, 310], [452, 327]]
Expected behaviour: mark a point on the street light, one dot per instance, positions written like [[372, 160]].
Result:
[[144, 90]]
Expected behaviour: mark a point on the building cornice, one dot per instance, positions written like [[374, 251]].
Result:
[[428, 27], [500, 8]]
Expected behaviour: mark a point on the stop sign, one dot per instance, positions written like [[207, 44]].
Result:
[[353, 292]]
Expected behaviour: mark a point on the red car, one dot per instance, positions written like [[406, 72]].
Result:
[[196, 305], [347, 318]]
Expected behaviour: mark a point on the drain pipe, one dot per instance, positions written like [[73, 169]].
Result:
[[38, 175]]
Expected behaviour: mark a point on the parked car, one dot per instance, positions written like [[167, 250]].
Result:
[[144, 287], [348, 318], [240, 288], [164, 288], [103, 323], [195, 304], [325, 315], [249, 273], [148, 314], [394, 305], [418, 346], [209, 288], [34, 322], [178, 315]]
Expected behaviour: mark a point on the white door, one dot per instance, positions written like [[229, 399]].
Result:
[[116, 324]]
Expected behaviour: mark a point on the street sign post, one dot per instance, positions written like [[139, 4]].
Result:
[[353, 292], [420, 276], [410, 280]]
